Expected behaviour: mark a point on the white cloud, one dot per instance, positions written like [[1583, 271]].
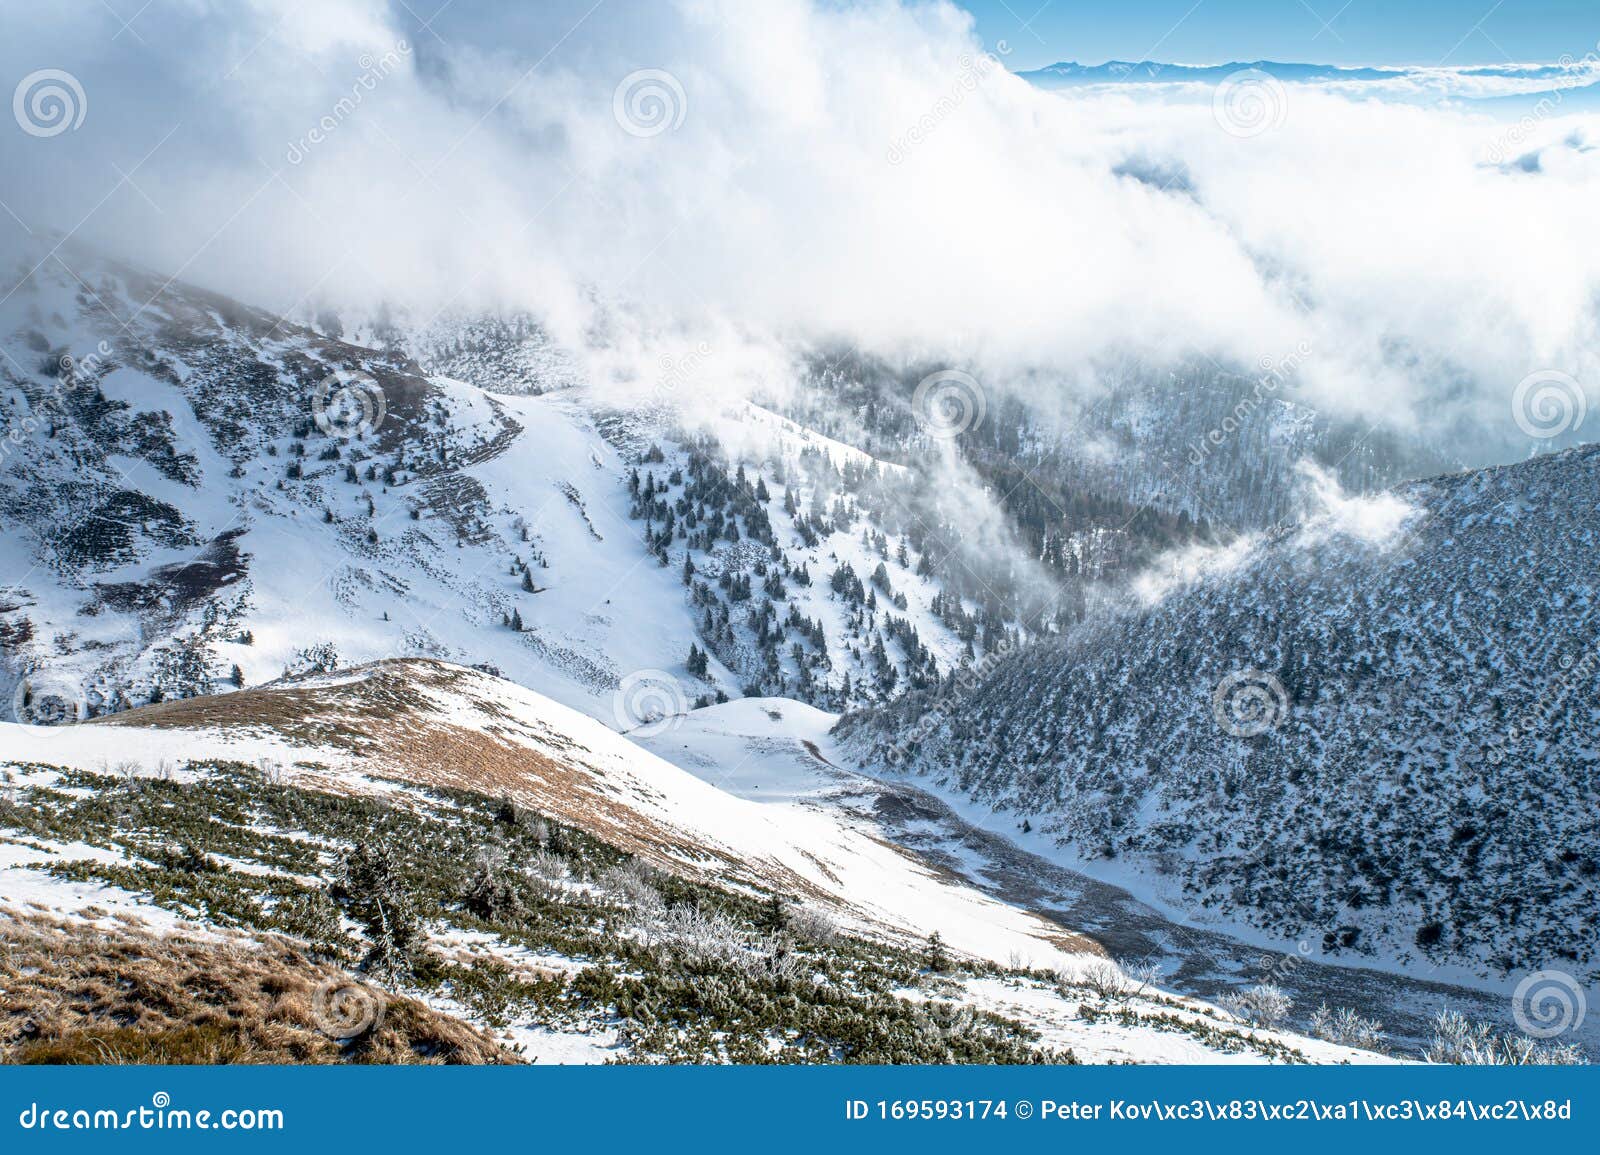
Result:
[[488, 169], [1376, 519]]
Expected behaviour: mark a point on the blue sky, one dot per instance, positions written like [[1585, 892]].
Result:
[[1323, 31]]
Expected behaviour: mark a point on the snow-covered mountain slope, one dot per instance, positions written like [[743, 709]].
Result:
[[1373, 733], [197, 486], [196, 495], [451, 726], [198, 498], [432, 745], [508, 355], [783, 754]]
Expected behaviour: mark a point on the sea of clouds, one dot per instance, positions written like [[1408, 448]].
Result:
[[757, 176]]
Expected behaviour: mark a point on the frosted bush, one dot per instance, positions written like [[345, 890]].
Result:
[[698, 935], [1105, 979], [548, 866], [1264, 1005], [777, 964], [630, 884], [1118, 982], [1346, 1028], [1460, 1042], [814, 925]]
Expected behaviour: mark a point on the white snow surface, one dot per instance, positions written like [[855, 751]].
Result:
[[874, 886]]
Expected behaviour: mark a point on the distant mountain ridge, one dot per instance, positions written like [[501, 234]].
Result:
[[1512, 89], [1070, 72]]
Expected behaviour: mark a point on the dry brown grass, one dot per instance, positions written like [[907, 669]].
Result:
[[72, 993], [383, 719]]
